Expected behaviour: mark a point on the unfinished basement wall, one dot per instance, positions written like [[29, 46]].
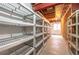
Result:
[[64, 20], [70, 9], [58, 10]]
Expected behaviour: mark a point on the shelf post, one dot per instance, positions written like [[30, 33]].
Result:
[[34, 33], [43, 31], [76, 31]]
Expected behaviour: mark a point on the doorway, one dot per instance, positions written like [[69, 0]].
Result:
[[56, 28]]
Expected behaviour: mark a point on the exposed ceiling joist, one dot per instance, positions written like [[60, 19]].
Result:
[[41, 6]]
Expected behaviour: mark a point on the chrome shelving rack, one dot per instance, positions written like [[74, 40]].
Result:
[[22, 31], [73, 32]]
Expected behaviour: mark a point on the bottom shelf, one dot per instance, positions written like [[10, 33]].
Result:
[[72, 49], [39, 52], [15, 41], [38, 48], [24, 50], [21, 49], [46, 38]]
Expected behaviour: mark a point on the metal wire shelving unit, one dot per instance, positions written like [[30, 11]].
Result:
[[73, 32], [20, 28]]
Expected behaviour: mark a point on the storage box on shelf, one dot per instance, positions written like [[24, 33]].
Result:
[[73, 31]]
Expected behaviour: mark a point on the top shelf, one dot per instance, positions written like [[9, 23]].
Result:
[[73, 19], [74, 14], [15, 8], [13, 14]]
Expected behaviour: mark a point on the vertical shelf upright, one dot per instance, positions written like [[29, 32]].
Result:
[[34, 32]]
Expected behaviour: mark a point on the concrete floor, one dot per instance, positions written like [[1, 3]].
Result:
[[56, 45]]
